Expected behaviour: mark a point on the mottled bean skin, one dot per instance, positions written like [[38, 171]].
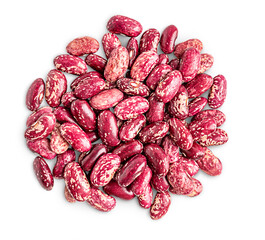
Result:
[[195, 152], [117, 64], [68, 196], [88, 75], [145, 200], [57, 142], [84, 114], [157, 159], [140, 183], [109, 42], [206, 62], [76, 181], [104, 169], [82, 45], [169, 86], [41, 128], [143, 65], [35, 94], [43, 173], [63, 115], [197, 188], [93, 136], [89, 87], [133, 50], [75, 136], [131, 107], [87, 160], [62, 160], [210, 164], [101, 201], [128, 149], [168, 38], [180, 134], [217, 115], [42, 147], [33, 117], [218, 92], [156, 109], [179, 180], [149, 40], [133, 87], [56, 86], [218, 137], [107, 128], [160, 184], [67, 99], [190, 64], [160, 205], [113, 188], [124, 25], [200, 128], [131, 170], [157, 74], [163, 59], [106, 99], [196, 105], [191, 43], [131, 128], [70, 64], [199, 85], [170, 148], [96, 62], [179, 104], [153, 132], [189, 165]]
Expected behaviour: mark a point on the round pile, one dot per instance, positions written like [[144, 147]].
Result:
[[153, 130]]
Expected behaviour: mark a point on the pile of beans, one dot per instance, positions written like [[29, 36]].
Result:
[[132, 127]]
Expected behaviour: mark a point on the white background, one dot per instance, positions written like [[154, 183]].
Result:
[[231, 206]]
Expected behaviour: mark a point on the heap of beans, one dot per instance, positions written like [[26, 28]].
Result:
[[144, 112]]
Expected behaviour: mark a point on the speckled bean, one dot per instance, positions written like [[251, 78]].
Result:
[[157, 159], [43, 173], [131, 107], [180, 134], [160, 205], [157, 74], [133, 87], [87, 160], [41, 128], [149, 40], [218, 92], [107, 128], [153, 132], [42, 147], [82, 45], [35, 94], [75, 136], [124, 25], [104, 169], [70, 64], [101, 201], [62, 160], [117, 64], [76, 181], [169, 86], [143, 65], [128, 149], [131, 170], [106, 99], [168, 38]]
